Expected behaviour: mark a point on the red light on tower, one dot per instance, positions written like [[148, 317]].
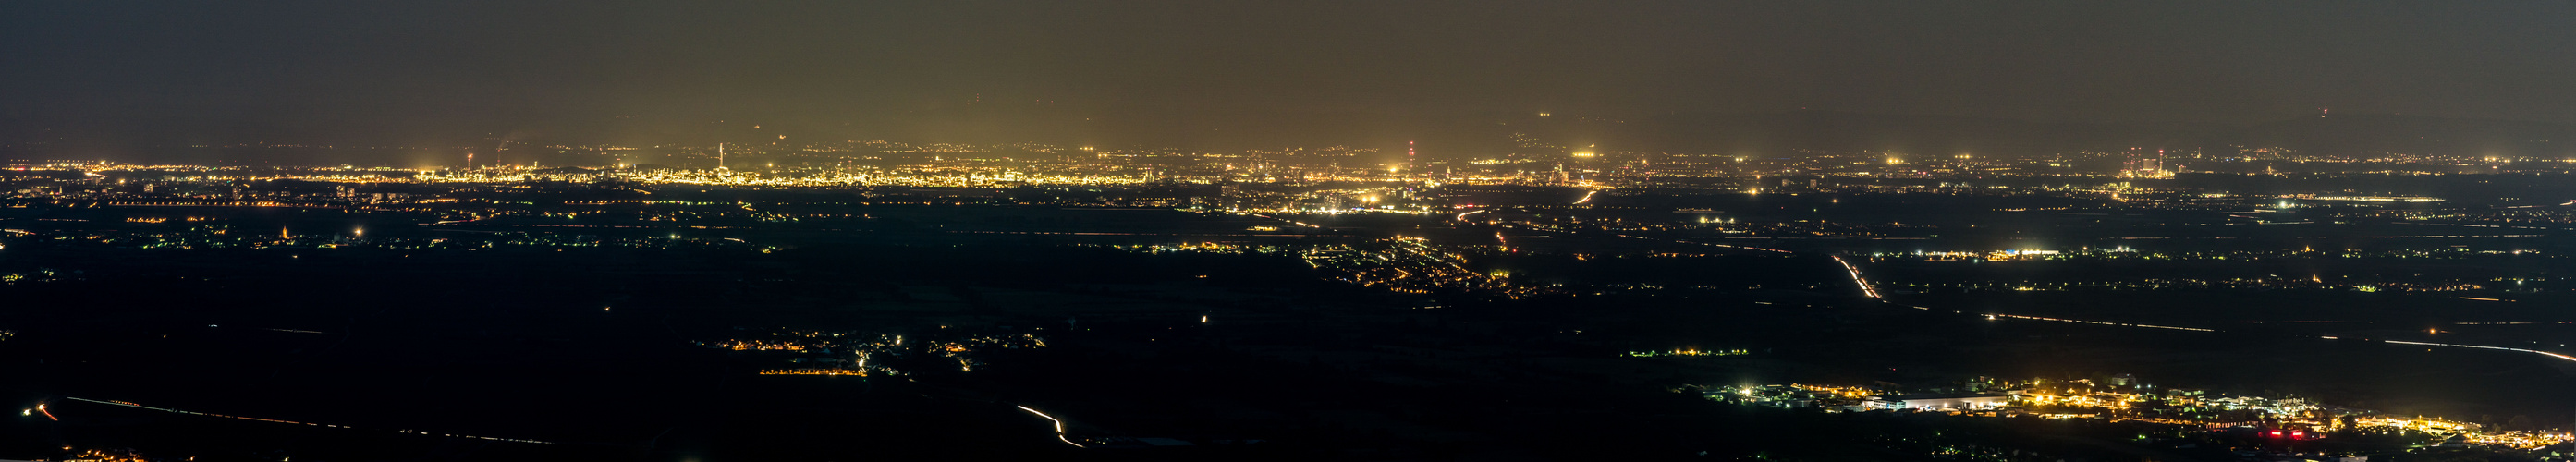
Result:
[[1411, 163]]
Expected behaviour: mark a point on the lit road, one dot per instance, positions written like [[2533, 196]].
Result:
[[1865, 288], [1059, 426], [2482, 347], [2327, 337], [2104, 323], [1710, 244], [290, 422], [1873, 293], [2558, 356]]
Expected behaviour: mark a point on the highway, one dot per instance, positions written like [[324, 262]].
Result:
[[1873, 293], [290, 422], [1059, 426]]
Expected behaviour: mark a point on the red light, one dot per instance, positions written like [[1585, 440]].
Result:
[[2276, 433], [2299, 434]]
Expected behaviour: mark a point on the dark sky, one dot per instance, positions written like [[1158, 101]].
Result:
[[383, 64]]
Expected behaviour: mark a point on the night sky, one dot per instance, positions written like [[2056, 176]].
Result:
[[396, 66]]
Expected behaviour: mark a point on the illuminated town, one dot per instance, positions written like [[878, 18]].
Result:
[[2047, 242], [2124, 399], [815, 351], [1867, 230]]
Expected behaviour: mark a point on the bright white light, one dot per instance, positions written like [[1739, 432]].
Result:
[[1059, 426]]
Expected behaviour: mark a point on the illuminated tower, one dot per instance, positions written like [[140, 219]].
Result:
[[720, 155], [1411, 163]]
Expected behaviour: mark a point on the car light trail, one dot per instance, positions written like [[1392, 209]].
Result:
[[1873, 293], [2559, 356], [2483, 347], [2327, 337], [2121, 324], [1855, 275], [1708, 244], [1059, 426], [40, 407], [176, 411]]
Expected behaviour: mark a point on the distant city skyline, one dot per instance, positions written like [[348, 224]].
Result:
[[961, 69]]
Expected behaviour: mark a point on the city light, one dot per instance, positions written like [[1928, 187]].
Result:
[[2140, 245]]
